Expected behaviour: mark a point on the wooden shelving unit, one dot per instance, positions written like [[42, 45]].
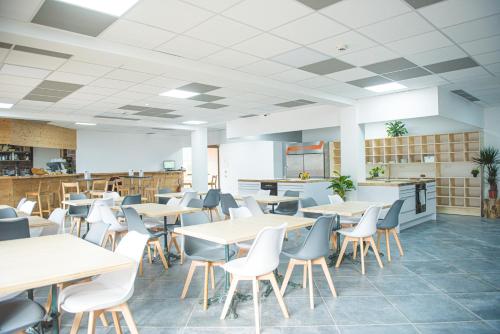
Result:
[[335, 162], [450, 155]]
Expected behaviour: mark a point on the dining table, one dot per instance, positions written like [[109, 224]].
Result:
[[179, 194], [272, 200]]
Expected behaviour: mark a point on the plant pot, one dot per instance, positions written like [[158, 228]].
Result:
[[492, 194], [375, 175], [475, 174]]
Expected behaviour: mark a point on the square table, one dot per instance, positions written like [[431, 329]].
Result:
[[269, 200], [36, 262]]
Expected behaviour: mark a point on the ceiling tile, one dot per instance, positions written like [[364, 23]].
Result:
[[230, 58], [50, 92], [198, 87], [367, 82], [351, 74], [14, 10], [317, 82], [33, 60], [452, 65], [494, 68], [188, 47], [294, 103], [222, 31], [78, 67], [98, 90], [369, 56], [397, 28], [110, 83], [59, 85], [417, 4], [214, 6], [6, 79], [71, 77], [265, 15], [42, 52], [292, 75], [23, 71], [264, 67], [452, 12], [359, 13], [127, 75], [318, 4], [4, 45], [423, 82], [351, 39], [482, 45], [407, 74], [466, 74], [211, 105], [172, 15], [265, 46], [488, 58], [477, 29], [390, 65], [42, 98], [327, 66], [133, 33], [309, 29], [300, 57], [420, 43], [165, 82], [436, 56], [206, 98]]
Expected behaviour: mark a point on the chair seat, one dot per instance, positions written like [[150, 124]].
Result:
[[294, 253], [118, 228], [78, 215], [215, 254], [349, 233], [19, 314], [285, 213], [245, 244], [240, 267]]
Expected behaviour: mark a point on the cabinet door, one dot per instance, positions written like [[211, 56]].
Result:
[[314, 164], [295, 165]]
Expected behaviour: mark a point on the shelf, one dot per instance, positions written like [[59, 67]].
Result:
[[14, 160]]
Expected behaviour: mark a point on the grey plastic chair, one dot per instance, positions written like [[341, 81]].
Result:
[[307, 203], [164, 200], [313, 250], [211, 201], [388, 226], [14, 228], [8, 213], [288, 208], [77, 213], [195, 203], [132, 199], [227, 201], [97, 233], [201, 252]]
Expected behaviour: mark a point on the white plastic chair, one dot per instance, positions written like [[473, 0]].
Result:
[[94, 215], [111, 194], [335, 199], [252, 205], [263, 258], [263, 193], [21, 202], [58, 216], [27, 207], [108, 292], [101, 212], [188, 196], [241, 212], [362, 233]]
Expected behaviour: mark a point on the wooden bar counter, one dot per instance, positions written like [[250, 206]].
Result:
[[13, 188]]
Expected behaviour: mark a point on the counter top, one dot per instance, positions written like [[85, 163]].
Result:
[[78, 175], [294, 180], [394, 182]]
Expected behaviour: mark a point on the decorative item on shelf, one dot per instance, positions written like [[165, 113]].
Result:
[[429, 158], [86, 175], [489, 159], [304, 175], [38, 171], [341, 184], [396, 129], [130, 172], [141, 173], [475, 172], [376, 171]]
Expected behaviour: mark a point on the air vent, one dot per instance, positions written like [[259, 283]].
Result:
[[249, 115], [117, 117], [51, 91], [465, 95], [294, 103]]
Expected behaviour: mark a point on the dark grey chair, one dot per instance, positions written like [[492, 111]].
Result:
[[307, 203], [195, 203], [211, 201], [226, 202], [313, 250], [288, 208], [129, 200], [77, 213], [202, 253], [388, 226], [8, 213], [164, 200], [14, 228], [135, 223], [96, 233]]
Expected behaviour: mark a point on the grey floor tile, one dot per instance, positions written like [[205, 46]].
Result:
[[403, 285], [486, 305], [431, 267], [378, 329], [476, 327], [459, 283]]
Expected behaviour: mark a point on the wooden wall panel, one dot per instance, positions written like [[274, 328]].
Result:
[[36, 134]]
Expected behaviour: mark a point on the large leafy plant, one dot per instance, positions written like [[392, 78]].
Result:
[[489, 159], [341, 184], [396, 129]]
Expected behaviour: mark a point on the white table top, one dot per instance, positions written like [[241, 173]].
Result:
[[41, 261], [349, 208], [155, 210], [228, 232], [271, 199], [179, 194]]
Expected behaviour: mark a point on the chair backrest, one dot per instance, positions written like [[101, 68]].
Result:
[[391, 219], [195, 203], [307, 203], [94, 214], [111, 194], [317, 242], [100, 185], [262, 192], [212, 198], [253, 206], [77, 210], [241, 212], [132, 199], [173, 202], [97, 233], [191, 245], [227, 201], [368, 223], [8, 213], [188, 196], [264, 255], [107, 216], [27, 207], [335, 199], [14, 228], [69, 187], [58, 216], [292, 206], [163, 200], [134, 221], [21, 202]]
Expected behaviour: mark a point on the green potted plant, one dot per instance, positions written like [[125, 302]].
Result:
[[488, 159], [396, 129], [341, 184], [376, 171], [475, 171]]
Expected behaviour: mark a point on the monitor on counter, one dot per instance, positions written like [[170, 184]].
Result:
[[168, 164]]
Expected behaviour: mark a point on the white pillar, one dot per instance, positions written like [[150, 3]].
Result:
[[352, 146], [199, 159]]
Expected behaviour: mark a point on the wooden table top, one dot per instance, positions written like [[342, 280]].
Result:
[[271, 199], [155, 210], [86, 201], [35, 262], [228, 232], [179, 194], [349, 208]]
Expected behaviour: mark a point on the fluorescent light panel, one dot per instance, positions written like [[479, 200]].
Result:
[[86, 124], [386, 87], [180, 94], [194, 122], [6, 105], [111, 7]]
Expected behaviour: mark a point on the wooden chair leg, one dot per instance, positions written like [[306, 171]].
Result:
[[398, 242], [39, 203], [103, 319], [76, 323], [328, 276], [342, 251], [160, 253], [255, 290], [188, 280], [141, 269], [116, 322], [354, 250], [367, 245], [279, 295], [229, 298], [78, 226], [148, 247], [379, 236], [387, 246], [375, 250], [311, 285], [129, 320], [288, 274], [91, 325], [205, 287], [212, 277], [362, 255], [304, 276], [333, 240]]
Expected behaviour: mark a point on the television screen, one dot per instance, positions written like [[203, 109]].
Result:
[[169, 164]]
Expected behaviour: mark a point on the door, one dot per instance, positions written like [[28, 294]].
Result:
[[314, 164], [294, 165]]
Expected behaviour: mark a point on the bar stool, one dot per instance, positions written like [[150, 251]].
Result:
[[67, 189], [151, 188], [39, 196], [120, 187], [98, 188]]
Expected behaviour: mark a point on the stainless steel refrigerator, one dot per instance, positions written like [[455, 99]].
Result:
[[309, 157]]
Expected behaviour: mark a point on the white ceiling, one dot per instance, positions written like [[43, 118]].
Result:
[[250, 48]]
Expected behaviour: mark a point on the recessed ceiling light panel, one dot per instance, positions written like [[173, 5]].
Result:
[[84, 123], [6, 105], [180, 94], [194, 122], [111, 7], [388, 87]]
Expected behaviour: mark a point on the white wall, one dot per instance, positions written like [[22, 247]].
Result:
[[492, 131], [326, 134], [459, 109], [100, 151], [42, 155]]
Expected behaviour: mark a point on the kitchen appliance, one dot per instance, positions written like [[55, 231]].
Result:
[[309, 157], [420, 197], [272, 186]]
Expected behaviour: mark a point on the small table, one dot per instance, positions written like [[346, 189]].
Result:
[[269, 200], [53, 259], [86, 201]]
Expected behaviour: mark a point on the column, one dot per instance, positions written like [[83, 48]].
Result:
[[199, 159]]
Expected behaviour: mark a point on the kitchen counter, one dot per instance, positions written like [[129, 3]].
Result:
[[295, 180], [394, 182]]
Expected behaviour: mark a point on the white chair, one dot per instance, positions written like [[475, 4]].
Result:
[[108, 292], [111, 194], [263, 193], [58, 216], [344, 221], [27, 207], [263, 258], [362, 232], [188, 196], [252, 205], [241, 212], [101, 212], [21, 202]]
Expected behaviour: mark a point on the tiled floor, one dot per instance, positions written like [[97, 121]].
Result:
[[447, 282]]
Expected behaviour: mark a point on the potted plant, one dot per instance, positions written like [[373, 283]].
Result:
[[341, 184], [376, 171], [488, 159], [396, 129], [475, 172]]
